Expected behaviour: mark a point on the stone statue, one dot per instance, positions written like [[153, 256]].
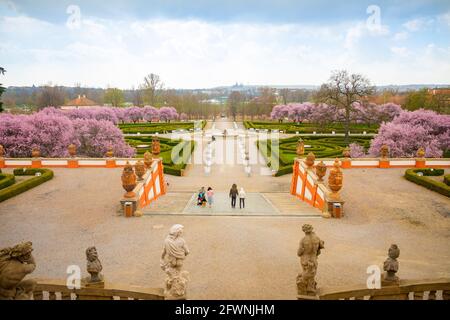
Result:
[[391, 266], [94, 266], [308, 251], [174, 252], [15, 264], [300, 147]]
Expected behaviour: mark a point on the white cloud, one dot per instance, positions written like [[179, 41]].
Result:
[[445, 19], [400, 51], [400, 36], [417, 24], [360, 30]]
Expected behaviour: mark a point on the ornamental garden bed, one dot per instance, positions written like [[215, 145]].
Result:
[[160, 127], [171, 166], [322, 147], [292, 127], [423, 178], [9, 187]]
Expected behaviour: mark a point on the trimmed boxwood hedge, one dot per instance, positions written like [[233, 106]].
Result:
[[153, 127], [6, 180], [28, 184], [447, 179], [440, 187], [291, 127]]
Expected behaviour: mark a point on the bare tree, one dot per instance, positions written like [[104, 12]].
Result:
[[343, 90], [152, 84], [234, 100], [2, 89], [284, 93], [51, 96]]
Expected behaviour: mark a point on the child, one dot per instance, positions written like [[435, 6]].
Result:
[[210, 196]]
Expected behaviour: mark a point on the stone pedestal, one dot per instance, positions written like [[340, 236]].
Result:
[[72, 163], [420, 163], [346, 163], [98, 284], [335, 211], [127, 212], [110, 163], [2, 163], [384, 164], [36, 163]]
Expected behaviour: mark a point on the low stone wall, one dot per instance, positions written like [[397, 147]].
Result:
[[71, 163]]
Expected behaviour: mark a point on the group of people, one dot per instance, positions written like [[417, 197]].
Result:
[[206, 197]]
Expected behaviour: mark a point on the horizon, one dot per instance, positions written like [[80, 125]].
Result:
[[201, 45]]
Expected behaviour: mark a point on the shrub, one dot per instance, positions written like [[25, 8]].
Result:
[[23, 186], [447, 179], [440, 187], [6, 180]]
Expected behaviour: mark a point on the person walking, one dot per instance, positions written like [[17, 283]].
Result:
[[210, 196], [233, 195], [241, 198]]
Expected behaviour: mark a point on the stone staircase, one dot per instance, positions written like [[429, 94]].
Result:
[[288, 204], [170, 203]]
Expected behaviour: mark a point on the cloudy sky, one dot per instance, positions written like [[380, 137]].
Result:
[[200, 43]]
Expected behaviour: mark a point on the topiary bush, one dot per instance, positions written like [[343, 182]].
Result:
[[437, 186], [18, 188]]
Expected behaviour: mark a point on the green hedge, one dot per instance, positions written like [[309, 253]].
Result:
[[291, 127], [6, 180], [160, 127], [440, 187], [28, 184], [447, 179]]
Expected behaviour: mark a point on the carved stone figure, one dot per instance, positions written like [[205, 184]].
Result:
[[128, 180], [391, 266], [308, 251], [35, 152], [310, 158], [109, 153], [346, 152], [300, 147], [156, 147], [321, 170], [174, 252], [384, 151], [147, 159], [421, 153], [15, 264], [72, 150], [2, 151], [335, 179], [94, 266], [139, 168]]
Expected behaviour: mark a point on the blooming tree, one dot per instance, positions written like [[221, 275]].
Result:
[[168, 113], [150, 113], [134, 114]]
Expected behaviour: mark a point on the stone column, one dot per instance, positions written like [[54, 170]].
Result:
[[36, 162]]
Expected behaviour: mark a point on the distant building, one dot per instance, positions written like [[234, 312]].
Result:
[[79, 103], [439, 91]]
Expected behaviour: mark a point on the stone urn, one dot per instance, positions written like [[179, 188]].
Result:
[[140, 169], [310, 158], [2, 151], [147, 159], [335, 178], [346, 152], [35, 152], [384, 151], [72, 150], [109, 153], [420, 153], [300, 147], [128, 180], [321, 170], [156, 147]]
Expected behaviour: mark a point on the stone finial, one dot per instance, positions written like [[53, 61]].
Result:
[[335, 179], [110, 152], [391, 266], [321, 170], [346, 152], [156, 147], [309, 249], [147, 159], [72, 150], [310, 158], [15, 263], [384, 151], [2, 151], [36, 152], [174, 253], [421, 153], [128, 180], [300, 147], [94, 268], [139, 168]]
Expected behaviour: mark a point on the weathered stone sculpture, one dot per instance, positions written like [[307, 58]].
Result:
[[15, 264], [35, 152], [156, 147], [391, 266], [94, 267], [308, 251], [310, 158], [346, 152], [128, 180], [421, 153], [300, 147], [321, 170], [139, 168], [72, 150], [147, 159], [384, 151], [109, 153], [174, 252]]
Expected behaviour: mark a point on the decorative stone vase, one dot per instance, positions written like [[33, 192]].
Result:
[[335, 178], [321, 170], [110, 153], [421, 153], [384, 151], [346, 152], [72, 150], [2, 151], [156, 147], [139, 168], [310, 158], [35, 152], [128, 180], [147, 159], [300, 147]]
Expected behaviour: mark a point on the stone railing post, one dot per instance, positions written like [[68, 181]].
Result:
[[384, 162], [110, 160], [420, 160], [346, 161], [335, 204], [36, 161], [73, 161]]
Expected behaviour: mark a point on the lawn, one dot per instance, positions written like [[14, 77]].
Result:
[[322, 147]]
